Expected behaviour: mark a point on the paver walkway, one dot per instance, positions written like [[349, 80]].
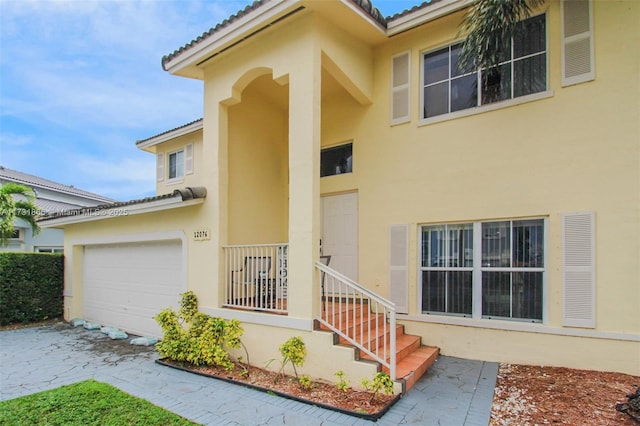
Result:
[[454, 391]]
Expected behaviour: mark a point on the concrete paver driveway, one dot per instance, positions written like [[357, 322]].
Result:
[[454, 391]]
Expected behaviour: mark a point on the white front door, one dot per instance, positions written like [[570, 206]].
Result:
[[340, 232]]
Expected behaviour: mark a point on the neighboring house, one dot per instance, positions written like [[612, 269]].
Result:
[[50, 198], [503, 221]]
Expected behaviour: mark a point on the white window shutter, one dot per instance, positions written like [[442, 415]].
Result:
[[578, 235], [188, 159], [400, 87], [160, 166], [578, 64], [399, 267]]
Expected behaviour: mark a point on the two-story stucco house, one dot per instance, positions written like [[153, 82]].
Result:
[[50, 198], [343, 159]]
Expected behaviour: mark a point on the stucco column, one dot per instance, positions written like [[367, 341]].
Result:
[[207, 263], [304, 181]]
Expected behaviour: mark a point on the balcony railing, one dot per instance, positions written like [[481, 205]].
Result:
[[256, 277]]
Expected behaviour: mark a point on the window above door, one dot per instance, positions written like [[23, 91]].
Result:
[[336, 160]]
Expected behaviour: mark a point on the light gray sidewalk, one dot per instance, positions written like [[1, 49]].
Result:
[[454, 391]]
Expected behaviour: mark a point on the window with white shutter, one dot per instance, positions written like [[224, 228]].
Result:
[[399, 267], [577, 42], [160, 166], [188, 158], [489, 270], [400, 82], [578, 235]]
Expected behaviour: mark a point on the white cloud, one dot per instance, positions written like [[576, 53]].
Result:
[[82, 80], [100, 60], [119, 178], [12, 139]]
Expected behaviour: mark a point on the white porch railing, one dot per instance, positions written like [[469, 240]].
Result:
[[256, 277], [359, 316]]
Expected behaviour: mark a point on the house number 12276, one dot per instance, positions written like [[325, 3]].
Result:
[[202, 234]]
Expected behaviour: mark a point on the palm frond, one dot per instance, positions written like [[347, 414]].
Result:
[[487, 27], [28, 212], [12, 188], [10, 209]]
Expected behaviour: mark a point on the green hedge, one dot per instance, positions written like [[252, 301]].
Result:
[[31, 286]]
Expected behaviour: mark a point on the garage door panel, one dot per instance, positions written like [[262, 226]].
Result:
[[126, 285]]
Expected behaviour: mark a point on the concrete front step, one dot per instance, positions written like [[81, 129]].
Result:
[[372, 338], [415, 365], [405, 344], [355, 324], [334, 308], [412, 358]]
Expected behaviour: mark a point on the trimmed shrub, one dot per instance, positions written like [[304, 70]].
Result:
[[31, 287], [195, 337]]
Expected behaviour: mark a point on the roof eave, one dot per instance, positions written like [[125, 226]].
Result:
[[424, 15], [172, 134], [187, 63], [179, 198], [121, 211]]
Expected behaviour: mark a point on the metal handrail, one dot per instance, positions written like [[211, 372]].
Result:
[[354, 297]]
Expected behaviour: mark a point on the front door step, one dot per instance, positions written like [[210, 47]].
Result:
[[412, 358]]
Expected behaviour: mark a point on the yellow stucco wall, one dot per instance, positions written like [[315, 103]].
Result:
[[576, 150], [266, 117], [258, 169]]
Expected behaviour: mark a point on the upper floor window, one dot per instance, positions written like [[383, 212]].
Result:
[[178, 163], [336, 160], [521, 71]]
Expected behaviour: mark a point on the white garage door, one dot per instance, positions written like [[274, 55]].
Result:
[[126, 285]]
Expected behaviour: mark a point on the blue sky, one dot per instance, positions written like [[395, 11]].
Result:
[[81, 81]]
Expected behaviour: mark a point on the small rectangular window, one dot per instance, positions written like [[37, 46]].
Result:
[[336, 160], [176, 164], [49, 250]]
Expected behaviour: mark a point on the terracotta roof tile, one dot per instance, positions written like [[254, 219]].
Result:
[[168, 131], [368, 7], [365, 5], [241, 13], [188, 193], [413, 9], [52, 206]]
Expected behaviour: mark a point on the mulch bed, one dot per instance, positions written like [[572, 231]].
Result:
[[352, 402]]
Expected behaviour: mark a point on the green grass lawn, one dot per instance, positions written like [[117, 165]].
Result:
[[85, 403]]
